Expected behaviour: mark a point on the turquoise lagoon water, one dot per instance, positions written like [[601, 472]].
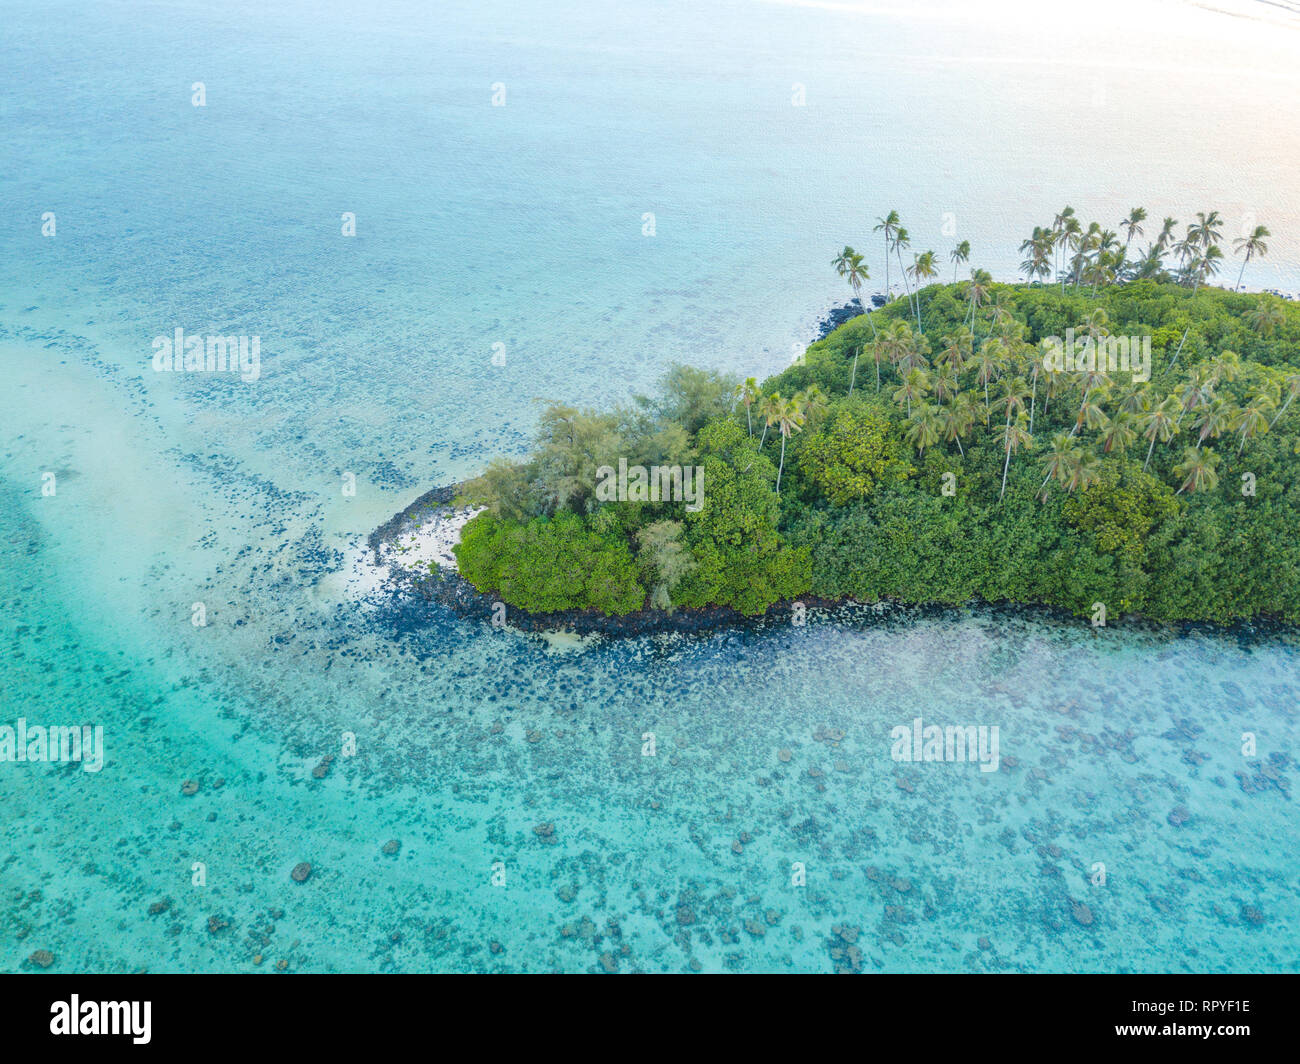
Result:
[[522, 225]]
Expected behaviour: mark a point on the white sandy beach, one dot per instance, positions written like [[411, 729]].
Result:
[[363, 578]]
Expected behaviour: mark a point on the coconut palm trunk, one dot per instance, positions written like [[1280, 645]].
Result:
[[907, 290], [1242, 272], [1180, 347], [1007, 462]]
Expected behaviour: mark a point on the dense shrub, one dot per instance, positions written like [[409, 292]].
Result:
[[551, 564]]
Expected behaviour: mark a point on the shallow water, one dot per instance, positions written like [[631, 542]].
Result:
[[522, 225]]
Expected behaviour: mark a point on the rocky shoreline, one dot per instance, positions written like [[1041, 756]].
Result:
[[428, 505], [838, 315], [448, 588]]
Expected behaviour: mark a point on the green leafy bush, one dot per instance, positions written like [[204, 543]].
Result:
[[549, 565]]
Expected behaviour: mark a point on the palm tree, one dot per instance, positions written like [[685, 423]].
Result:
[[1097, 323], [1014, 393], [926, 428], [990, 362], [748, 394], [1093, 378], [889, 225], [1040, 264], [916, 385], [1133, 398], [1089, 379], [1253, 417], [945, 385], [1117, 432], [1207, 230], [1292, 390], [1252, 245], [879, 350], [850, 265], [1052, 385], [1001, 318], [1091, 415], [956, 350], [1165, 238], [1265, 316], [769, 410], [1213, 419], [1226, 367], [914, 353], [960, 254], [1038, 247], [1160, 422], [789, 418], [812, 401], [1197, 470], [922, 269], [1198, 390], [1012, 399], [1013, 437], [1108, 256], [1206, 265], [1133, 225], [901, 242], [1086, 473], [956, 420], [1185, 248], [1098, 273], [1153, 260], [1085, 246], [980, 281], [1058, 223], [895, 344], [1060, 234], [1071, 235], [1061, 461], [1035, 367]]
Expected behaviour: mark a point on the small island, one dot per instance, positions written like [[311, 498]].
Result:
[[1112, 437]]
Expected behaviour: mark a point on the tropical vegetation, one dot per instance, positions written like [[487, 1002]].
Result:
[[955, 464]]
